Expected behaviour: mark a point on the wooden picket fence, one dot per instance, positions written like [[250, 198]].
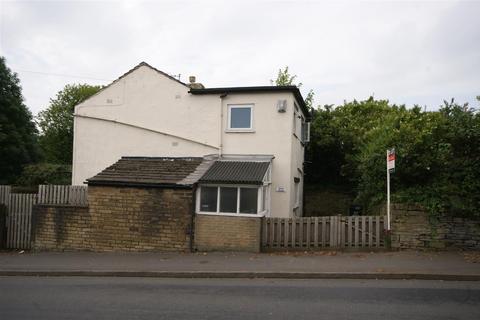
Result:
[[57, 194], [5, 194], [19, 220], [323, 232], [19, 209]]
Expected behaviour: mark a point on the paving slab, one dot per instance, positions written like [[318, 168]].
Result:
[[322, 264]]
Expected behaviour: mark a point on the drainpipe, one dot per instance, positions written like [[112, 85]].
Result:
[[220, 149], [192, 220]]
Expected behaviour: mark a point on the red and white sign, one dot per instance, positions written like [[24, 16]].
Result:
[[391, 160]]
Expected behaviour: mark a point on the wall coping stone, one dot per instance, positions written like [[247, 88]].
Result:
[[58, 205]]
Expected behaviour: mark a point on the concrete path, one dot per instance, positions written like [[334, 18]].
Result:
[[324, 264]]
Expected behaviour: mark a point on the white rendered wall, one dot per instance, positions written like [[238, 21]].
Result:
[[147, 114], [136, 110]]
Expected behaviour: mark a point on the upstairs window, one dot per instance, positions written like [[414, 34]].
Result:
[[305, 131], [240, 117]]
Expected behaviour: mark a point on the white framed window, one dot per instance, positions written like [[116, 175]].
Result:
[[208, 201], [305, 131], [297, 192], [240, 117], [232, 200]]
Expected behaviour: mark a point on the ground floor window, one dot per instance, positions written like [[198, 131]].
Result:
[[233, 199], [208, 202]]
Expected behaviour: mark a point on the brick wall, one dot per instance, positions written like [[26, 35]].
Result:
[[118, 219], [226, 233], [412, 228], [61, 227]]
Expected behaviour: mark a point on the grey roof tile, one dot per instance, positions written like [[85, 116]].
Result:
[[148, 171]]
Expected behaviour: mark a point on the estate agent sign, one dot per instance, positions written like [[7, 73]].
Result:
[[390, 169]]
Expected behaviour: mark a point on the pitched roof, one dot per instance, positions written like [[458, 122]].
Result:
[[141, 64], [149, 172], [239, 172], [258, 89], [144, 64]]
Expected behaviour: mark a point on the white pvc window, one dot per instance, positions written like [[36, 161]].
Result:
[[306, 131], [240, 117], [248, 200], [208, 199], [228, 200], [297, 194], [241, 200]]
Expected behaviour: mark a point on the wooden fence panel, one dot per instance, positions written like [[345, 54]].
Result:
[[5, 194], [19, 220], [62, 194], [323, 232], [19, 209]]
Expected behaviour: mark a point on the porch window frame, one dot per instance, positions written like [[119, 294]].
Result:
[[260, 200]]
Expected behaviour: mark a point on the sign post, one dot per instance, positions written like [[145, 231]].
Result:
[[390, 169]]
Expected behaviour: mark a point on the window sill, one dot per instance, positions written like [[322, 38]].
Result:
[[245, 215], [240, 131]]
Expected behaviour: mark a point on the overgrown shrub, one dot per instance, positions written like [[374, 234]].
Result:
[[438, 153], [45, 173]]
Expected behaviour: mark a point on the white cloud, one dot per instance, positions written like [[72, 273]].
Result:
[[409, 52]]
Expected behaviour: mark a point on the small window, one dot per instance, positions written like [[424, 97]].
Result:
[[248, 200], [297, 192], [240, 117], [228, 200], [208, 199], [305, 131], [263, 204], [295, 123]]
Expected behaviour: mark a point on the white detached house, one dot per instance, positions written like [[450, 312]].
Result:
[[251, 139]]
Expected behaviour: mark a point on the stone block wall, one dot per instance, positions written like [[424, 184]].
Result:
[[140, 219], [118, 219], [412, 228], [61, 227], [227, 233]]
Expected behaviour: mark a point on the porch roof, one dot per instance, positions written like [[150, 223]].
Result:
[[236, 172]]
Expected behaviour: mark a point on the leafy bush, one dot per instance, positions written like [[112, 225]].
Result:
[[438, 153], [45, 173]]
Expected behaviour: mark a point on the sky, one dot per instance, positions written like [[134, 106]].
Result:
[[409, 52]]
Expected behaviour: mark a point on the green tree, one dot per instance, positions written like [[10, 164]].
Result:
[[56, 122], [437, 153], [337, 138], [18, 140], [284, 78]]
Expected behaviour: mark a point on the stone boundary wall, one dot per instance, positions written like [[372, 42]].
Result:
[[117, 219], [227, 233], [61, 227], [412, 228]]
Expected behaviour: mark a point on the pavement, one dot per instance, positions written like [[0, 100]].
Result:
[[424, 265]]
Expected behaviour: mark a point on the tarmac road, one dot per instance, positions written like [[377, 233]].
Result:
[[156, 298]]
